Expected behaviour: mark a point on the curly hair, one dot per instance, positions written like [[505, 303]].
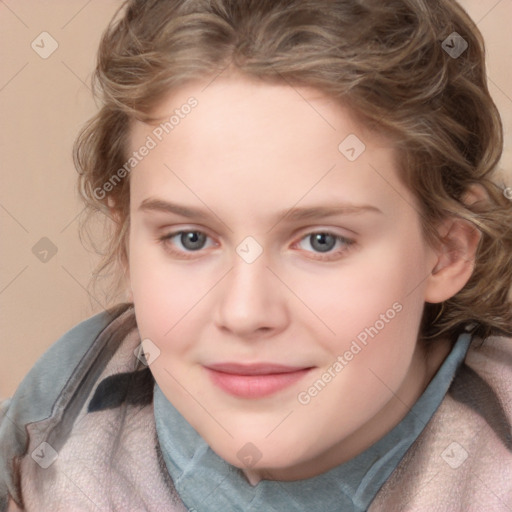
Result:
[[388, 61]]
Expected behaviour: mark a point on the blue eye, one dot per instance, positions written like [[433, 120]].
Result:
[[190, 240], [194, 241], [325, 242], [322, 242]]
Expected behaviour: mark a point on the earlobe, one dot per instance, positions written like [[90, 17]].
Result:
[[455, 260]]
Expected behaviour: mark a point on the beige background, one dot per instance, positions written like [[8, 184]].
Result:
[[43, 103]]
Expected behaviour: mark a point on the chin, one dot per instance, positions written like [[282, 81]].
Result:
[[257, 456]]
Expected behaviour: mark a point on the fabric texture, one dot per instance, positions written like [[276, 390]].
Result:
[[79, 434], [104, 460]]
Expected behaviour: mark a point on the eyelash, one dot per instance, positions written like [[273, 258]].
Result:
[[348, 244]]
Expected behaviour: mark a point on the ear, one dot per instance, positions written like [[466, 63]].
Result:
[[455, 257]]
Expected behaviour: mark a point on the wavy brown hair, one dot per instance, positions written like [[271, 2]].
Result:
[[385, 60]]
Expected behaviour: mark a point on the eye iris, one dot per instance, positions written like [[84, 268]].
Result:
[[321, 239], [192, 239]]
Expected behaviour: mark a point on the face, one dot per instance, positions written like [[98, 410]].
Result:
[[280, 269]]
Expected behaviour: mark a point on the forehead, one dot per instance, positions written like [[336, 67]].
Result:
[[237, 110], [276, 143]]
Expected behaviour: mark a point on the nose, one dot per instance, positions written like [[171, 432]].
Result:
[[252, 300]]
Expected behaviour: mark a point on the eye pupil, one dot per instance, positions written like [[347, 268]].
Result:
[[192, 240], [321, 239]]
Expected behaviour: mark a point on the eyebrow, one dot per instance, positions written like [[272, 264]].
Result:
[[292, 214]]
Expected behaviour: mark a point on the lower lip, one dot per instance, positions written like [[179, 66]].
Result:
[[255, 386]]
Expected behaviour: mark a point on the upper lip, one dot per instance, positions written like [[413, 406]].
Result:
[[254, 369]]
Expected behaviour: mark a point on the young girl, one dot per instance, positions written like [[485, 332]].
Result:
[[318, 268]]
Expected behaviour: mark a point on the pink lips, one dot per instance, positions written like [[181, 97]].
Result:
[[254, 380]]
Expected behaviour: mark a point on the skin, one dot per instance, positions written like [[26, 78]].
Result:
[[248, 151]]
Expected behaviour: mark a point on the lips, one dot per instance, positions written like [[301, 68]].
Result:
[[254, 380], [253, 369]]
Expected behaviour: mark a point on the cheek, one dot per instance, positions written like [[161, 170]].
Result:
[[158, 295], [367, 292], [169, 299], [375, 354], [393, 310], [374, 306]]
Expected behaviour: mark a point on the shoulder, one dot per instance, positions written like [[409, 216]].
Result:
[[494, 354], [464, 453], [95, 430], [483, 386], [41, 386], [46, 384]]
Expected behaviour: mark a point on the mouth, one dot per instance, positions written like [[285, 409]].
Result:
[[254, 380]]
